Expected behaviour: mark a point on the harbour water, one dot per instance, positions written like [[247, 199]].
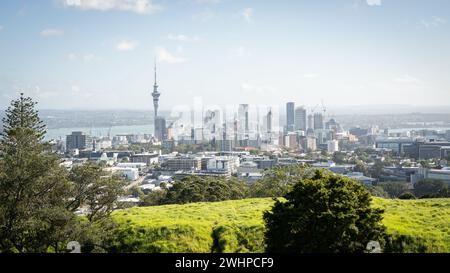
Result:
[[61, 133], [403, 130]]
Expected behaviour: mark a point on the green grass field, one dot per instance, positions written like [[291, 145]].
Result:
[[427, 220], [237, 226]]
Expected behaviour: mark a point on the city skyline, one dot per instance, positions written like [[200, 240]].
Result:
[[75, 55]]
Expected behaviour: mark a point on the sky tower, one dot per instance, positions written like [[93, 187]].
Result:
[[155, 95]]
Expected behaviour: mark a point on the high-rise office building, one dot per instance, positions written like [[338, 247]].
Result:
[[78, 140], [269, 121], [318, 121], [290, 116], [243, 116], [310, 121], [300, 118]]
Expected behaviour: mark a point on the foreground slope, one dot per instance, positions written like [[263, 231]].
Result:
[[237, 226], [426, 220]]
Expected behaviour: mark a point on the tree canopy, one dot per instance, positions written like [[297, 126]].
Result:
[[38, 197], [33, 187], [325, 213], [208, 189]]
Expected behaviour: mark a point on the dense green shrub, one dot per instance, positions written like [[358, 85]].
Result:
[[278, 181], [327, 213], [407, 196], [205, 189], [429, 188]]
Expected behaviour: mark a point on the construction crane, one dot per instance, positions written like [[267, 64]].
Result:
[[324, 109], [313, 110]]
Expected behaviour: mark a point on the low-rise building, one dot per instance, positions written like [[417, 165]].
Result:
[[396, 144], [250, 177], [131, 174], [147, 158], [265, 163], [284, 161], [361, 178], [434, 174], [183, 163], [225, 164], [248, 167], [134, 165], [422, 150], [332, 146]]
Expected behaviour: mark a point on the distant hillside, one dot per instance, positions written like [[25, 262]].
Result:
[[237, 226]]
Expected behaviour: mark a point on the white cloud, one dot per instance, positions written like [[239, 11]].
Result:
[[22, 11], [125, 45], [240, 52], [52, 32], [310, 75], [433, 22], [88, 57], [42, 94], [182, 38], [83, 57], [72, 57], [407, 79], [136, 6], [76, 91], [208, 1], [248, 14], [204, 16], [163, 55], [252, 89], [374, 2], [355, 5]]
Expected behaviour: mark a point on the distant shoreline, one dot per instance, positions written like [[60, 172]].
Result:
[[100, 131]]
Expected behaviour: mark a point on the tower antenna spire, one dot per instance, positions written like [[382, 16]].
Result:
[[155, 72]]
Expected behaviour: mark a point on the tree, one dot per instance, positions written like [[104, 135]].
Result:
[[278, 181], [429, 187], [377, 191], [444, 193], [136, 192], [425, 164], [326, 213], [38, 197], [377, 169], [339, 157], [154, 198], [33, 187], [95, 190], [361, 167], [407, 196], [198, 189], [394, 189]]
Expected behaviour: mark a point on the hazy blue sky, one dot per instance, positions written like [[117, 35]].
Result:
[[99, 53]]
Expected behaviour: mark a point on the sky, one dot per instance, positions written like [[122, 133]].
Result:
[[99, 54]]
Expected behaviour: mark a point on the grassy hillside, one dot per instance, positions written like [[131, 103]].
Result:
[[237, 226], [426, 220]]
